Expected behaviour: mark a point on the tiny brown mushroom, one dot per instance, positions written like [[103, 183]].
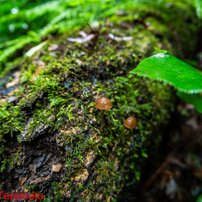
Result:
[[130, 122], [103, 103]]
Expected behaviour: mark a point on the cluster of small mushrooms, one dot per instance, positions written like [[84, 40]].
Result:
[[103, 104]]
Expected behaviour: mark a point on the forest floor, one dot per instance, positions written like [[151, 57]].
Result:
[[174, 171]]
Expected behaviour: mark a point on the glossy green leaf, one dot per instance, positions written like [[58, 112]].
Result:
[[167, 68], [195, 99]]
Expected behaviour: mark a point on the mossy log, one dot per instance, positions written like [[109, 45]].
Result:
[[51, 141]]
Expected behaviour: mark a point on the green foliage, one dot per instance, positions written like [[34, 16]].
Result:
[[49, 17], [199, 198], [195, 99], [34, 20], [10, 47], [198, 5], [167, 68]]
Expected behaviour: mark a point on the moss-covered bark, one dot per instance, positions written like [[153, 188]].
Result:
[[51, 141]]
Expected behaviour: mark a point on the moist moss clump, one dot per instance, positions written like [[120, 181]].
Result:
[[54, 127], [60, 101]]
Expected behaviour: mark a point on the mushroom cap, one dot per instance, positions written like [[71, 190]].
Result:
[[103, 103], [130, 122]]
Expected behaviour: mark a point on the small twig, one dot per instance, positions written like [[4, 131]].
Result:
[[156, 173]]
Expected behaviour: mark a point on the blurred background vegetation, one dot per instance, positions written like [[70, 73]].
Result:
[[27, 21]]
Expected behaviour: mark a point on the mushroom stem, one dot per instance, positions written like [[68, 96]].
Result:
[[119, 139], [122, 134], [102, 120]]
